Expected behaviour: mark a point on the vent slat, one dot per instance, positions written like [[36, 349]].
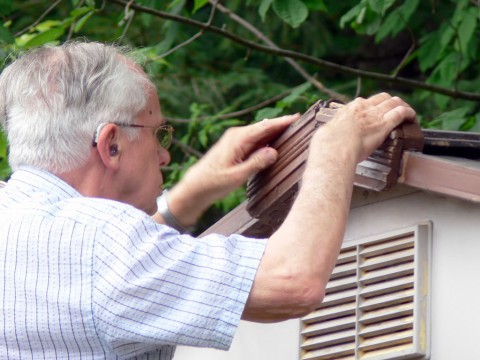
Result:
[[341, 284], [347, 322], [327, 313], [402, 337], [383, 301], [345, 269], [387, 260], [339, 297], [395, 271], [389, 352], [386, 313], [322, 341], [347, 255], [387, 327], [382, 247], [339, 352], [386, 287]]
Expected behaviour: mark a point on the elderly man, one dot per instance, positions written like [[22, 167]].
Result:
[[90, 269]]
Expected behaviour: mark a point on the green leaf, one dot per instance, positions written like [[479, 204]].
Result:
[[447, 33], [5, 170], [351, 14], [81, 22], [264, 6], [429, 52], [468, 124], [362, 19], [467, 28], [293, 12], [48, 24], [224, 124], [460, 10], [380, 6], [397, 20], [361, 15], [451, 120], [408, 9], [203, 137], [3, 144], [80, 11], [45, 37], [6, 36], [476, 125], [447, 71], [315, 5], [198, 4], [294, 95], [267, 113], [389, 26]]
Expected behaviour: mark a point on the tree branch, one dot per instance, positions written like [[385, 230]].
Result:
[[188, 150], [408, 83], [234, 114], [292, 62], [128, 18], [194, 37], [36, 22]]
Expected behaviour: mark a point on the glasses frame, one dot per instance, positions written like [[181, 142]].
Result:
[[168, 129]]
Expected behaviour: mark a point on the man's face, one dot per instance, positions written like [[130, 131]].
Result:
[[143, 159]]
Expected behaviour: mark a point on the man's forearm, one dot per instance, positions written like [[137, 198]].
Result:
[[306, 245], [315, 225]]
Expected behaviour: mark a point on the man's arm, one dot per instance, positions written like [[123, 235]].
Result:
[[301, 254]]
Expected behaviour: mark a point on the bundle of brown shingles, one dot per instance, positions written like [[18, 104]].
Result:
[[271, 192]]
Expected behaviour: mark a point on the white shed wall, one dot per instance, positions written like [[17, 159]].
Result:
[[253, 341], [455, 287]]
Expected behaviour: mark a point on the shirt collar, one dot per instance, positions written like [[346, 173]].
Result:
[[35, 179]]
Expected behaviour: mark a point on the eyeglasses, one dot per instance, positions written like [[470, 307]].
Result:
[[163, 133]]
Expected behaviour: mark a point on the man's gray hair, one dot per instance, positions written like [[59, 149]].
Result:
[[53, 98]]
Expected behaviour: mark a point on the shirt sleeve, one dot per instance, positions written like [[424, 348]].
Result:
[[155, 286]]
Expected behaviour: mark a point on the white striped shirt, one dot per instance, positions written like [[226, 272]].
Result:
[[97, 279]]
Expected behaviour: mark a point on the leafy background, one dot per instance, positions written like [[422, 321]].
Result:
[[220, 64]]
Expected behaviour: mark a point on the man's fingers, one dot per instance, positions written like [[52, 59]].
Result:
[[269, 128], [395, 110], [399, 114], [259, 160], [378, 98]]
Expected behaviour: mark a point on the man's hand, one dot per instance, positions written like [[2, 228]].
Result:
[[369, 121], [240, 153]]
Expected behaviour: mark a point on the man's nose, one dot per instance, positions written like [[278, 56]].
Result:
[[163, 157]]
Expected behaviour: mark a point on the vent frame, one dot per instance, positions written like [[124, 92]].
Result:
[[384, 303]]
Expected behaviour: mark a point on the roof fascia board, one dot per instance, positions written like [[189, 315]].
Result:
[[440, 175]]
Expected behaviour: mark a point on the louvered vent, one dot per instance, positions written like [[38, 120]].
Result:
[[376, 304]]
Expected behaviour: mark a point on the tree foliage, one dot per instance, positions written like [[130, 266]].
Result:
[[220, 64]]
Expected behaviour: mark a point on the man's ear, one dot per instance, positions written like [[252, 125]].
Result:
[[108, 146]]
